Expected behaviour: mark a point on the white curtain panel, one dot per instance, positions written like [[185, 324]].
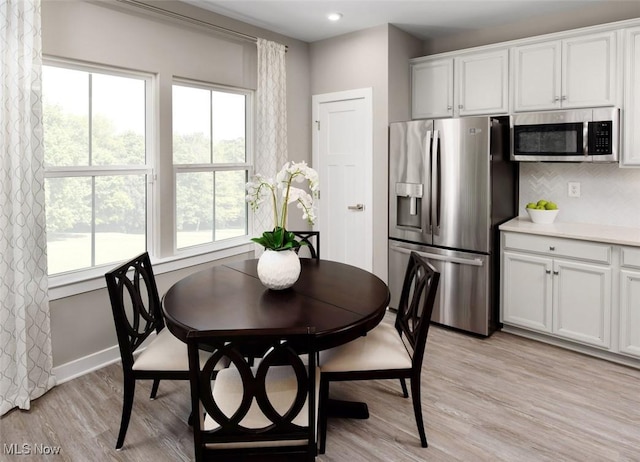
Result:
[[271, 124], [25, 340]]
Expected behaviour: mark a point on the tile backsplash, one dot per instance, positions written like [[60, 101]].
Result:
[[608, 194]]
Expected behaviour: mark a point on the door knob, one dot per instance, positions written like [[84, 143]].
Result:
[[357, 207]]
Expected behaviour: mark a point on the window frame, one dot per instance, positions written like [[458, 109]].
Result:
[[79, 281], [91, 171], [247, 165]]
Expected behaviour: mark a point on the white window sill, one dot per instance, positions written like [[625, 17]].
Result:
[[67, 285]]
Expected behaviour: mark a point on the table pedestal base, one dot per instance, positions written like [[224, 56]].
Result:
[[347, 409]]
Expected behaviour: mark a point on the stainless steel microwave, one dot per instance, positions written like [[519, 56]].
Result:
[[580, 135]]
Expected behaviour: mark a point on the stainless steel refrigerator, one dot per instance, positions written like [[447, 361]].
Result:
[[451, 184]]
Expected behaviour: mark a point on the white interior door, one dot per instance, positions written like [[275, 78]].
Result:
[[343, 157]]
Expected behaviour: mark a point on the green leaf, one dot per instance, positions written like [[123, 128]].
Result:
[[278, 239]]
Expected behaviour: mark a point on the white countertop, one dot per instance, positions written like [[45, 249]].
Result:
[[584, 231]]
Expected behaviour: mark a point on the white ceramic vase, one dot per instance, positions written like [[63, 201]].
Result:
[[278, 270]]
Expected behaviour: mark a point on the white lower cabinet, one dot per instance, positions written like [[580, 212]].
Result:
[[582, 302], [527, 291], [548, 288], [630, 301]]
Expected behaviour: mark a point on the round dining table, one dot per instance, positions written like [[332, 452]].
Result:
[[341, 301]]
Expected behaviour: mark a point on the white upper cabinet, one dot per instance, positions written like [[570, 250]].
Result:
[[589, 70], [482, 83], [631, 113], [537, 76], [432, 89], [571, 73], [469, 84]]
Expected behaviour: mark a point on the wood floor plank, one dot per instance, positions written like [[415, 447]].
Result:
[[504, 398]]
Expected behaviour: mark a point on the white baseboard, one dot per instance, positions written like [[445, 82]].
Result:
[[86, 364], [615, 357]]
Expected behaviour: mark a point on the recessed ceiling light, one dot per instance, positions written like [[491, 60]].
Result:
[[334, 16]]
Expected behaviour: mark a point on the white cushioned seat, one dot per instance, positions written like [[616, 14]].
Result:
[[381, 349], [386, 352], [168, 353], [281, 389]]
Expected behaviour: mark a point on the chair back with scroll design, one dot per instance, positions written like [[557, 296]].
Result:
[[312, 241], [388, 352], [416, 305], [135, 303], [137, 315], [265, 411]]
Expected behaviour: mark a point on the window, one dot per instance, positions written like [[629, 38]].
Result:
[[97, 167], [100, 187], [211, 155]]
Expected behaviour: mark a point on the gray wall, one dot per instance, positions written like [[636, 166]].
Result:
[[107, 34], [614, 10], [402, 47]]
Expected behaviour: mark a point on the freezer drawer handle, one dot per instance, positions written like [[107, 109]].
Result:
[[433, 256], [357, 207]]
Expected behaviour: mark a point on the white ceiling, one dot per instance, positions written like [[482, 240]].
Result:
[[307, 19]]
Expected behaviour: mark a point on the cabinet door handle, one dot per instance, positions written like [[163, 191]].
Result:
[[555, 273], [449, 108], [564, 97], [552, 248], [548, 271], [556, 99], [460, 106]]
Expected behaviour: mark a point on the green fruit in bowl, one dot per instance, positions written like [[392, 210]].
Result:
[[542, 204]]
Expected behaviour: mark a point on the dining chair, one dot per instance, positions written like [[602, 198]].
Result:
[[264, 412], [388, 352], [137, 316], [312, 241]]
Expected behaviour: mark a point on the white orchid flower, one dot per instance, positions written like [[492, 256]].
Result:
[[259, 188]]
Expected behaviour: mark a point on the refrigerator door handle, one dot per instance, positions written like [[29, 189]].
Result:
[[436, 188], [426, 217], [433, 256]]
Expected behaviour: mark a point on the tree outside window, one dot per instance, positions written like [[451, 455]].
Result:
[[99, 165], [210, 155], [96, 166]]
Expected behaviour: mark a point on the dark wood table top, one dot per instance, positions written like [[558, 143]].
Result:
[[341, 301]]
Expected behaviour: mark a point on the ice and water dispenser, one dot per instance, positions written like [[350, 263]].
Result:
[[408, 187], [409, 205]]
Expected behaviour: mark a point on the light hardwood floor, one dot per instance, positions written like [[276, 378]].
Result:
[[504, 398]]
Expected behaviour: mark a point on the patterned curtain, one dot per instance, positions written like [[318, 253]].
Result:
[[25, 340], [271, 124]]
